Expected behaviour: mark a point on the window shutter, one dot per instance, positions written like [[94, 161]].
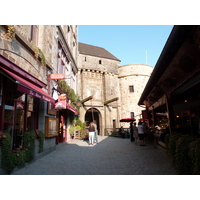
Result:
[[34, 33]]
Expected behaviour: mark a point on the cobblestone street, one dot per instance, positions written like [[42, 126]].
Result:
[[111, 156]]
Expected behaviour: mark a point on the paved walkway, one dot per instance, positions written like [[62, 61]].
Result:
[[111, 156]]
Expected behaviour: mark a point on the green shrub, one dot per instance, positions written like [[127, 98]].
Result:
[[194, 155], [17, 158], [65, 88], [182, 162], [7, 157], [185, 152], [173, 137], [76, 124], [29, 145]]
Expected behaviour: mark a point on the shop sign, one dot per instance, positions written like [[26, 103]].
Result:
[[20, 106], [57, 76], [61, 104]]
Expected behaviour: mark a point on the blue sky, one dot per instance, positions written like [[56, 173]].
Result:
[[132, 44]]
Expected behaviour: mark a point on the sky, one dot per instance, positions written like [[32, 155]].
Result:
[[132, 44]]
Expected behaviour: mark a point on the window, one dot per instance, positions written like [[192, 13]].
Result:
[[20, 116], [85, 59], [32, 113], [131, 88], [61, 68], [34, 33], [132, 115], [61, 62], [14, 114], [100, 62]]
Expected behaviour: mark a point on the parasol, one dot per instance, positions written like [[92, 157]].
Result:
[[127, 120], [143, 119]]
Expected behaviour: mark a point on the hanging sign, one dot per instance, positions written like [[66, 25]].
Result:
[[57, 76], [61, 104]]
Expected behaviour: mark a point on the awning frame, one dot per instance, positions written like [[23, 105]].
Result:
[[29, 88]]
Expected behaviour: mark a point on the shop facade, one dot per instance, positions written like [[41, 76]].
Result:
[[29, 57], [172, 95], [20, 106]]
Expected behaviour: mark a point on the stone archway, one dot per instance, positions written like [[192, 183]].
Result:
[[94, 113]]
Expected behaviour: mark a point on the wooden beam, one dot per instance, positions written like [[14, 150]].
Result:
[[111, 100], [87, 99]]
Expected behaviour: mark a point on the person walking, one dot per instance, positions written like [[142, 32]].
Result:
[[131, 131], [146, 131], [96, 132], [135, 133], [141, 133], [91, 130]]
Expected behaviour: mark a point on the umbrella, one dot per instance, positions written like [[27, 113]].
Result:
[[127, 120], [143, 119]]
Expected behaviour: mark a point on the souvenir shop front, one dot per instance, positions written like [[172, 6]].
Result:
[[20, 97]]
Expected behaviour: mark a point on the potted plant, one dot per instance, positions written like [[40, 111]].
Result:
[[77, 125]]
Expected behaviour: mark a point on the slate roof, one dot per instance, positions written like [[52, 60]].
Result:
[[95, 51]]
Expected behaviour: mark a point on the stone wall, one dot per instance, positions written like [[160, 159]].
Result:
[[16, 52], [92, 62]]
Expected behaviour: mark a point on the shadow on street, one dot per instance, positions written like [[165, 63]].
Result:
[[111, 156]]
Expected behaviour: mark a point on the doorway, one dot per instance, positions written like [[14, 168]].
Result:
[[93, 114]]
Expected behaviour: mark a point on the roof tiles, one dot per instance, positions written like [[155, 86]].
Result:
[[95, 51]]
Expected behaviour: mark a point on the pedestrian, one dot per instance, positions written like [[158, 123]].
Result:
[[122, 133], [96, 132], [135, 133], [131, 131], [146, 131], [91, 130], [141, 133]]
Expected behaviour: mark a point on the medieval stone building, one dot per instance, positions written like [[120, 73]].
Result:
[[98, 86], [109, 91], [29, 56]]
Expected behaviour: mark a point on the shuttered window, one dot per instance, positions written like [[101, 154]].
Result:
[[131, 88], [132, 115], [34, 33]]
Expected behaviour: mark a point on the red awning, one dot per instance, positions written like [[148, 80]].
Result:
[[29, 88], [69, 107]]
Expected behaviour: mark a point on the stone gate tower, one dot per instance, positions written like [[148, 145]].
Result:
[[98, 87]]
